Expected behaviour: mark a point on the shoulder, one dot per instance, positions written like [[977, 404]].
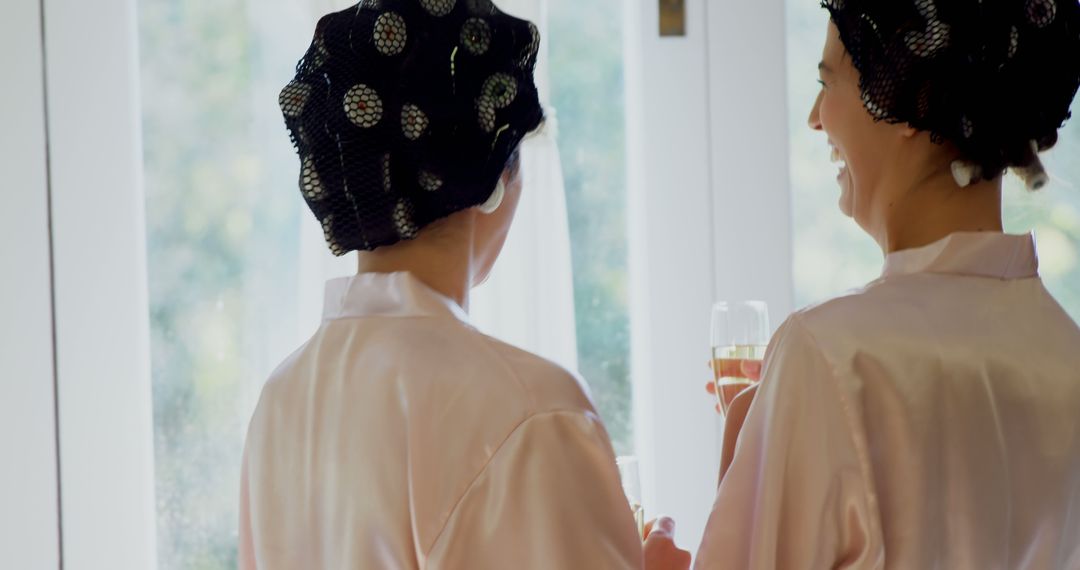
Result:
[[427, 361], [548, 386], [795, 353], [461, 354], [855, 308], [870, 317], [884, 316], [803, 363]]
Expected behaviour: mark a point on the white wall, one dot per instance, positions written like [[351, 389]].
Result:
[[752, 228], [671, 266], [29, 526], [99, 246], [710, 220], [73, 259]]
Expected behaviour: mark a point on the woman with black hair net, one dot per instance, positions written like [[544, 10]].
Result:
[[932, 418], [399, 436]]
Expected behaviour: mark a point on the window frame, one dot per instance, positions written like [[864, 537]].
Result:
[[101, 312], [29, 521], [706, 134]]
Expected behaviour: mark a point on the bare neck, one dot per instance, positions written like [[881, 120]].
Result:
[[936, 207], [440, 261]]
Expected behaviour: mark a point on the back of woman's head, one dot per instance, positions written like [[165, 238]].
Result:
[[995, 78], [406, 111]]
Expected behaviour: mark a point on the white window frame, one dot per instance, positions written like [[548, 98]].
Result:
[[707, 135], [29, 517], [102, 322]]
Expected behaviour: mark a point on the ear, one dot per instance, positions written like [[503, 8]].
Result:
[[907, 131]]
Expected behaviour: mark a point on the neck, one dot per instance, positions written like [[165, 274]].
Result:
[[441, 262], [936, 207]]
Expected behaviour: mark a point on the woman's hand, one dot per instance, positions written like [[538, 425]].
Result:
[[738, 407], [660, 550], [750, 369]]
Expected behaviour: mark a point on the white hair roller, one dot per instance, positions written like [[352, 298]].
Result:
[[965, 173], [1033, 175], [495, 200]]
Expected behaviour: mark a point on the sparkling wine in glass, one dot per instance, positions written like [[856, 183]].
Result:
[[631, 484], [740, 333]]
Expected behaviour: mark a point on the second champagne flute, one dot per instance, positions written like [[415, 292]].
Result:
[[740, 332], [631, 483]]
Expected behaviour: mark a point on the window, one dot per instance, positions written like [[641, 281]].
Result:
[[223, 222], [585, 45], [823, 235], [1054, 214], [231, 261]]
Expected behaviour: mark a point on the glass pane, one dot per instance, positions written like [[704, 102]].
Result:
[[585, 43], [223, 231], [1054, 214], [832, 254]]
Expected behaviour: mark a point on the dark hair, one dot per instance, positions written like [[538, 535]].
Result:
[[990, 77], [513, 162], [406, 111]]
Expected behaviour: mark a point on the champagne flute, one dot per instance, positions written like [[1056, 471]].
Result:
[[740, 332], [631, 484]]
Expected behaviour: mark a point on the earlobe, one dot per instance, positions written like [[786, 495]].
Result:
[[908, 131]]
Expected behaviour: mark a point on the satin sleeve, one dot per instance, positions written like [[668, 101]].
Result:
[[795, 496], [549, 498]]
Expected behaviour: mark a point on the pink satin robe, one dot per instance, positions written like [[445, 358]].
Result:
[[930, 420], [399, 437]]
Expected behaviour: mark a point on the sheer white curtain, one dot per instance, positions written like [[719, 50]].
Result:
[[529, 299]]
